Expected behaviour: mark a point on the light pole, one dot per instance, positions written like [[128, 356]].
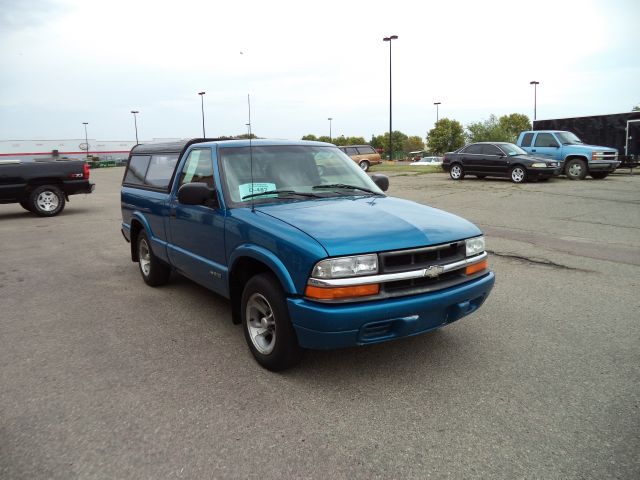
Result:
[[135, 123], [389, 39], [86, 137], [202, 103], [437, 104], [330, 138], [535, 97]]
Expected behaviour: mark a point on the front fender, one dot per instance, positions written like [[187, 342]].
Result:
[[269, 259]]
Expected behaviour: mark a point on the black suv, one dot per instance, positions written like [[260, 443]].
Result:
[[499, 159]]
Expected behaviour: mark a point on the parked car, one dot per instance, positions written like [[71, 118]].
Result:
[[363, 155], [428, 161], [501, 159], [310, 257], [43, 187], [576, 158]]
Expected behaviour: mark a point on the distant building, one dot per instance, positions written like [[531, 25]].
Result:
[[70, 148]]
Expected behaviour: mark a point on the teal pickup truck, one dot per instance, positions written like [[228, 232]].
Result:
[[577, 158]]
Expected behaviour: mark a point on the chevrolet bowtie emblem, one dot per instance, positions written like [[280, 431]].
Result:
[[433, 271]]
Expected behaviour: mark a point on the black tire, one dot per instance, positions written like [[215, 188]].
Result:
[[599, 175], [575, 169], [364, 165], [518, 174], [46, 201], [456, 172], [154, 272], [276, 347], [26, 206], [481, 176]]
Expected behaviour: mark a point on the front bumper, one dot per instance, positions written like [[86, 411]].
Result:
[[536, 173], [603, 165], [326, 326]]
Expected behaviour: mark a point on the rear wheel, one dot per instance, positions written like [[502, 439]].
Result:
[[599, 175], [154, 272], [46, 201], [364, 165], [575, 169], [266, 324], [518, 174], [456, 171]]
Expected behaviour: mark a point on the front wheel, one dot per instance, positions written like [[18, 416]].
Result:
[[266, 324], [518, 174], [599, 175], [364, 165], [153, 271], [456, 172], [46, 201], [576, 169]]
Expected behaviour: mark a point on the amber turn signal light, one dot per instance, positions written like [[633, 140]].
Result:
[[334, 293], [477, 267]]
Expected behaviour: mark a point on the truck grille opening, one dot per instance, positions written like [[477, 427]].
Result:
[[401, 261], [419, 258]]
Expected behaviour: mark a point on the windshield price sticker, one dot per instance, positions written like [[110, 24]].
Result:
[[248, 189]]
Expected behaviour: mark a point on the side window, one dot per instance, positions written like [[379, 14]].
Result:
[[351, 151], [160, 170], [137, 170], [473, 149], [366, 150], [198, 167], [526, 140], [545, 140], [491, 150]]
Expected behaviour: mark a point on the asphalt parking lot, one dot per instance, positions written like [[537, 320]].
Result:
[[104, 377]]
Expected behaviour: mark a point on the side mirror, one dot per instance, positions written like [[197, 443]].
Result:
[[382, 181], [197, 194]]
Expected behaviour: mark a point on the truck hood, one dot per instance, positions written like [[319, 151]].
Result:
[[352, 225], [589, 148]]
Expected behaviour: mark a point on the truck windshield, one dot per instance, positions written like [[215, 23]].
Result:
[[290, 173], [511, 149], [568, 138]]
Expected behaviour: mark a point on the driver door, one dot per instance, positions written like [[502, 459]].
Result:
[[196, 245]]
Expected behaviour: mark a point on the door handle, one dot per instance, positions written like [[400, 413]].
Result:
[[533, 149]]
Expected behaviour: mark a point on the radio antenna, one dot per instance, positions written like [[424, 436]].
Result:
[[251, 153]]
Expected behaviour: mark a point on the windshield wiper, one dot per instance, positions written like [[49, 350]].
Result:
[[280, 192], [345, 186]]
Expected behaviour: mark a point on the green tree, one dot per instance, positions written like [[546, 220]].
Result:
[[488, 130], [412, 143], [446, 136], [513, 124], [310, 137], [382, 141], [636, 108]]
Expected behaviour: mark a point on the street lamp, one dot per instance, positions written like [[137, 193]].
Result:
[[135, 123], [388, 39], [436, 104], [535, 95], [202, 103], [86, 137], [330, 139]]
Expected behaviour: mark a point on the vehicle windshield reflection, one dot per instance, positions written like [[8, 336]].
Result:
[[269, 174]]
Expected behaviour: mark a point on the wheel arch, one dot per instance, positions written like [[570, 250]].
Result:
[[138, 222], [574, 156], [247, 262]]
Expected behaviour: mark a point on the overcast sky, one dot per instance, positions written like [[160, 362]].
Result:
[[70, 61]]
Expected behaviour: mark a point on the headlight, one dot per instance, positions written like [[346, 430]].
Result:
[[346, 267], [475, 246], [539, 165]]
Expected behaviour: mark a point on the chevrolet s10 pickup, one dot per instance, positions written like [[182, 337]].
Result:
[[308, 248]]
